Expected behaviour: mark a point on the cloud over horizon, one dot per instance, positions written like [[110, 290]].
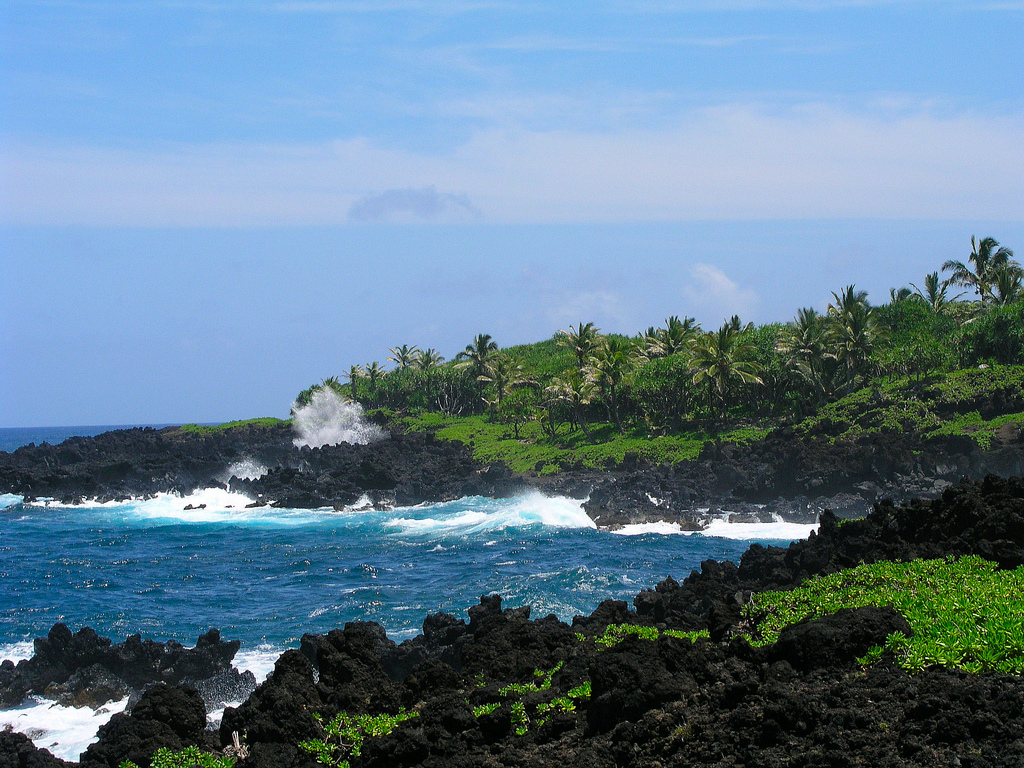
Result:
[[426, 204], [729, 162]]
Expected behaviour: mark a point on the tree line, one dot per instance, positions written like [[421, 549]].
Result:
[[678, 375]]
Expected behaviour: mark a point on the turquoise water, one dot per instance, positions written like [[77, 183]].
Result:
[[265, 576]]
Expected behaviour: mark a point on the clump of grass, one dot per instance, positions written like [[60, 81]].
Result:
[[965, 614]]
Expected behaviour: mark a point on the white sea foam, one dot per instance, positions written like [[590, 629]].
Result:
[[9, 500], [65, 731], [259, 660], [778, 529], [247, 469], [16, 651], [489, 514], [329, 419], [639, 529]]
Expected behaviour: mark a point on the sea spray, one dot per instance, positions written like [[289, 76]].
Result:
[[329, 419]]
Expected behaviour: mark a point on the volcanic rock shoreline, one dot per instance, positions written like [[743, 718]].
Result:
[[797, 476], [804, 701]]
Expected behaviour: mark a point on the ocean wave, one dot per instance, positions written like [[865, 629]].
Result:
[[484, 514], [9, 500], [778, 530], [65, 731]]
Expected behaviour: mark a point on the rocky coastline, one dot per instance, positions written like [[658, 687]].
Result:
[[797, 476], [803, 701]]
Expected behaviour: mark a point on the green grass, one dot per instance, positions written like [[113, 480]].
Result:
[[200, 429], [536, 452], [945, 405], [965, 614]]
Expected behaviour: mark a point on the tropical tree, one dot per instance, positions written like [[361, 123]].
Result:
[[583, 341], [476, 354], [987, 258], [354, 373], [504, 374], [374, 373], [934, 293], [803, 343], [404, 356], [896, 295], [609, 366], [675, 337], [1007, 286], [722, 361], [853, 331], [429, 359], [576, 391]]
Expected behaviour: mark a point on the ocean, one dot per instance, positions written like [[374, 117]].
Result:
[[265, 576]]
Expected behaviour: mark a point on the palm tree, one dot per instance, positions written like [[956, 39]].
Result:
[[854, 328], [475, 355], [404, 356], [504, 373], [677, 336], [575, 390], [354, 372], [429, 359], [583, 341], [988, 257], [934, 293], [1007, 286], [802, 342], [374, 373], [609, 366], [898, 295], [722, 360]]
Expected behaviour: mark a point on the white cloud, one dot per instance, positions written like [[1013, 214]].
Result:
[[711, 293], [728, 162]]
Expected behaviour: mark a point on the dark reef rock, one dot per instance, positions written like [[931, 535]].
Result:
[[406, 469], [84, 669], [18, 751], [839, 639], [174, 718]]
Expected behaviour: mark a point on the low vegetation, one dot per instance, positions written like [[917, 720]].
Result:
[[206, 429], [965, 613]]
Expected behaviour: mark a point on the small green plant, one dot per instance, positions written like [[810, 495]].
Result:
[[345, 735], [189, 757], [581, 692], [520, 720], [531, 687], [485, 709], [616, 633]]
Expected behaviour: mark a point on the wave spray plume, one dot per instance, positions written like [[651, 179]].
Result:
[[329, 419]]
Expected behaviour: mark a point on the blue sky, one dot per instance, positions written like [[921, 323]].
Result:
[[205, 205]]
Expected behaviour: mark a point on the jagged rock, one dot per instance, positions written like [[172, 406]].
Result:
[[165, 716]]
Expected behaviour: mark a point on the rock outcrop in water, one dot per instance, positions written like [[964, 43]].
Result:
[[123, 464], [505, 689], [82, 669]]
